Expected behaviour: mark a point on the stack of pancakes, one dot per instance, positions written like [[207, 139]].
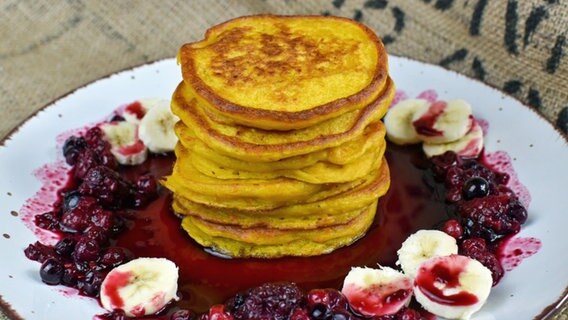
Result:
[[281, 145]]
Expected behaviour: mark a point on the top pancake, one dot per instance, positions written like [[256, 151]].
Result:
[[285, 72]]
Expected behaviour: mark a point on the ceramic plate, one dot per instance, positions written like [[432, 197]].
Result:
[[539, 152]]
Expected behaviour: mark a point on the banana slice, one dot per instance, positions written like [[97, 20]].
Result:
[[423, 245], [125, 145], [398, 121], [442, 122], [135, 111], [453, 287], [377, 292], [469, 145], [140, 287], [157, 129]]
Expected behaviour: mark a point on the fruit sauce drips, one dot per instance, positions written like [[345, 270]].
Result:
[[106, 214]]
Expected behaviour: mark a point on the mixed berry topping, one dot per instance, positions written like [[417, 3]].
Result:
[[89, 214], [95, 209], [486, 209]]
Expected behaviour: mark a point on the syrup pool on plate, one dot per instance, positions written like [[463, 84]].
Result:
[[206, 279]]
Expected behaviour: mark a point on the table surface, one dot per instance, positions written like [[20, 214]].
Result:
[[49, 48]]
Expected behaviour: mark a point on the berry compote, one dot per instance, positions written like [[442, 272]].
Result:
[[108, 214]]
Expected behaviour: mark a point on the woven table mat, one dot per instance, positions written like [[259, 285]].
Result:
[[48, 48]]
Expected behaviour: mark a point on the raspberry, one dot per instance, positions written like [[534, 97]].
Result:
[[488, 217], [103, 219], [48, 221], [477, 249], [146, 190], [107, 186], [299, 314], [217, 312], [39, 252], [95, 139], [453, 228], [268, 301], [96, 234], [77, 219], [331, 298], [442, 163]]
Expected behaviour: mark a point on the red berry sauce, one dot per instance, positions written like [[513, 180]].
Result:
[[500, 161], [379, 299], [514, 250], [428, 95], [419, 198], [136, 109], [115, 281], [437, 275], [425, 124]]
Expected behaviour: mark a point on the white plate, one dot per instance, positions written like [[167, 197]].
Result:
[[541, 155]]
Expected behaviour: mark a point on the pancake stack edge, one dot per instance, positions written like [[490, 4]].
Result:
[[281, 145]]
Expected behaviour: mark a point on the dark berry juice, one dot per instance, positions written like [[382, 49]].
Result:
[[413, 202]]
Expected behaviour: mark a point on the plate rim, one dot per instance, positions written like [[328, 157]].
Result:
[[553, 309]]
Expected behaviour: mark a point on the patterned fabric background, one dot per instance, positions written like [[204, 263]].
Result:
[[48, 48]]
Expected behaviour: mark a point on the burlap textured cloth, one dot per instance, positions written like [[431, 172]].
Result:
[[48, 48]]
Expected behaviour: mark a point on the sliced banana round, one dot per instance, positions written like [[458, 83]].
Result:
[[157, 129], [398, 121], [423, 245], [442, 121], [126, 147], [453, 287], [140, 287], [135, 111], [469, 145], [377, 292]]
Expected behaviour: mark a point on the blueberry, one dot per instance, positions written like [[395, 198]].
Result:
[[91, 285], [51, 271], [72, 148], [71, 200], [114, 256], [518, 212], [117, 118], [341, 315], [182, 315], [475, 187], [65, 247], [86, 250], [320, 311]]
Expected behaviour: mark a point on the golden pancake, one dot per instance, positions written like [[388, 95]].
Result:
[[357, 198], [266, 243], [373, 138], [254, 194], [237, 219], [318, 173], [252, 144], [285, 72]]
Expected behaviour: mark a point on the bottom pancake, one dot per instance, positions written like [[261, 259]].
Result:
[[270, 243]]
